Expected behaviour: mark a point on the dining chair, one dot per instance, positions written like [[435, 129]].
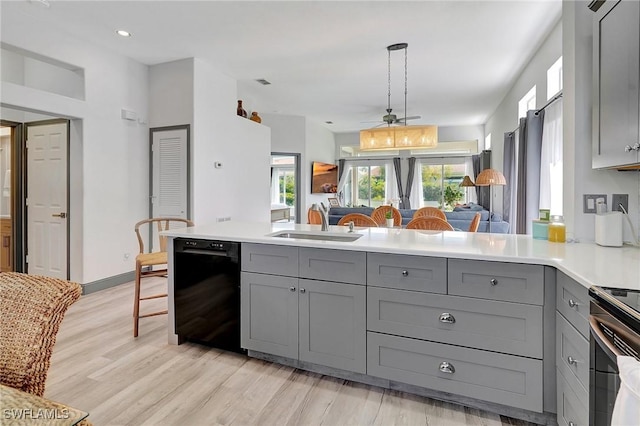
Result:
[[147, 260], [379, 215], [430, 211], [314, 217], [32, 308], [429, 223], [475, 223], [358, 219]]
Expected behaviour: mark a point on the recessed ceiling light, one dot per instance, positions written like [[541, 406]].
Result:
[[263, 81], [123, 33]]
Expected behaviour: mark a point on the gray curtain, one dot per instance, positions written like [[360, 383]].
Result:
[[341, 163], [476, 171], [407, 194], [509, 171], [396, 166], [528, 180]]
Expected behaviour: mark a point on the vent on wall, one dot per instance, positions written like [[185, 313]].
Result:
[[263, 81]]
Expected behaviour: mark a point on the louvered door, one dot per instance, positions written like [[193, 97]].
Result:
[[170, 172]]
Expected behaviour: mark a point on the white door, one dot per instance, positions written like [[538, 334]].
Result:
[[47, 200], [169, 196]]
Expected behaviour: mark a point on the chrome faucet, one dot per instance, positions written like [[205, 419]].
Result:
[[324, 214]]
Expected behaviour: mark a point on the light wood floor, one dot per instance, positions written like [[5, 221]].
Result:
[[97, 366]]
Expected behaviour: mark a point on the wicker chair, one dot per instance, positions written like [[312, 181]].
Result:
[[430, 211], [358, 219], [31, 309], [379, 215], [314, 217], [149, 260], [429, 223], [475, 223]]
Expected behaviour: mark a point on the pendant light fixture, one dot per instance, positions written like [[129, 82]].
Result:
[[402, 136]]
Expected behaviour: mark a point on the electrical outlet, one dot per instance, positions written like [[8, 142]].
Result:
[[125, 257], [591, 200], [617, 199]]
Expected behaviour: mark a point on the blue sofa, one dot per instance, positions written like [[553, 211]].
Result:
[[459, 219]]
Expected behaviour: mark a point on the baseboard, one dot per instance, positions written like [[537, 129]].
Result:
[[109, 282]]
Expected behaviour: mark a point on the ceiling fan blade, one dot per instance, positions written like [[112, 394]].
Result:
[[413, 117]]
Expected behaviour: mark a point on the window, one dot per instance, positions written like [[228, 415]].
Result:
[[528, 102], [372, 185], [487, 142], [554, 79], [437, 183], [283, 180]]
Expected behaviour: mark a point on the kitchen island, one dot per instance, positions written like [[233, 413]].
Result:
[[464, 317]]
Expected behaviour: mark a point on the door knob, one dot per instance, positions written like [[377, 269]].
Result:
[[572, 303], [302, 290], [60, 215], [405, 273], [493, 281], [292, 289], [447, 318]]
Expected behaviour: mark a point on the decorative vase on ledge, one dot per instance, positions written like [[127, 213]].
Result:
[[255, 117], [240, 111]]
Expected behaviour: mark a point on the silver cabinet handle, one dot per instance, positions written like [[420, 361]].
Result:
[[572, 303], [571, 360], [405, 273], [302, 290], [630, 148], [493, 281], [447, 318], [572, 424], [445, 367], [292, 289]]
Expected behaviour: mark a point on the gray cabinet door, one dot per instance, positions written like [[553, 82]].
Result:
[[573, 408], [572, 351], [270, 259], [483, 324], [269, 314], [333, 265], [333, 324], [572, 301], [616, 118], [504, 379], [407, 272], [511, 282]]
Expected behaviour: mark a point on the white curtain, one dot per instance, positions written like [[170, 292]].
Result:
[[275, 187], [391, 186], [346, 175], [551, 159], [417, 199], [472, 196]]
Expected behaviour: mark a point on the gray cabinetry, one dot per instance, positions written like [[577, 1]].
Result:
[[616, 73], [269, 314], [320, 322], [572, 351], [407, 272], [332, 326], [489, 376], [510, 282]]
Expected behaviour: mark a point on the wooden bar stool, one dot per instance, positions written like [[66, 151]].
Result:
[[146, 261]]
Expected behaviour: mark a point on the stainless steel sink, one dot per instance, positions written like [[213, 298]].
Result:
[[324, 236]]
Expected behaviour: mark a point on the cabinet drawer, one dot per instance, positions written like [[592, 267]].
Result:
[[484, 324], [572, 351], [270, 259], [572, 300], [573, 408], [511, 282], [333, 265], [503, 379], [407, 272]]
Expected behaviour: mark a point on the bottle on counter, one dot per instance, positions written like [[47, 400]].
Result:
[[557, 230], [240, 110]]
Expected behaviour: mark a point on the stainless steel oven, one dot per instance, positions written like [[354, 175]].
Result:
[[614, 324]]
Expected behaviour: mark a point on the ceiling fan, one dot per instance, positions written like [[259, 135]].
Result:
[[390, 119]]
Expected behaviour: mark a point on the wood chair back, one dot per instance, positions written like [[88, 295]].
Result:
[[358, 219], [430, 223], [430, 211], [160, 224], [475, 223], [379, 215], [314, 217]]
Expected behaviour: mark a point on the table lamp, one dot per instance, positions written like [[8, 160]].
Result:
[[490, 178], [466, 183]]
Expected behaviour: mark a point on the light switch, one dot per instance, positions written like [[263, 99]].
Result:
[[590, 202]]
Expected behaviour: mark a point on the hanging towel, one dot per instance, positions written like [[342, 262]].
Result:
[[626, 411], [6, 188]]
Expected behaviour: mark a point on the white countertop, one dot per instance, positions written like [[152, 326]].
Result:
[[587, 263]]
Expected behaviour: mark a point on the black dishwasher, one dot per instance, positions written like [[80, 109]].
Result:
[[207, 292]]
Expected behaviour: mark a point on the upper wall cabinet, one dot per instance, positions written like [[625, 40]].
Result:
[[616, 56]]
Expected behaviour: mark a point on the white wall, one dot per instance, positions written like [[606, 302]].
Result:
[[171, 93], [113, 162], [579, 177], [320, 146], [505, 117]]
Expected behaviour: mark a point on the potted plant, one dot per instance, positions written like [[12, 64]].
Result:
[[451, 195], [389, 218]]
